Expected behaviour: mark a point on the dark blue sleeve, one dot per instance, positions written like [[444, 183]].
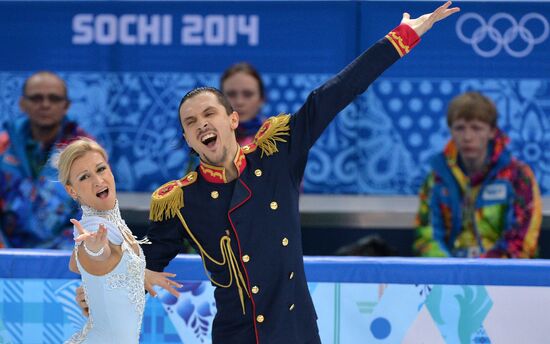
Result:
[[325, 102], [166, 242]]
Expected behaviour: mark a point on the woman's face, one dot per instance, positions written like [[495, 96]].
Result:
[[243, 92], [91, 182]]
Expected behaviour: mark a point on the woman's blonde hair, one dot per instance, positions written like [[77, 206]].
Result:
[[73, 151]]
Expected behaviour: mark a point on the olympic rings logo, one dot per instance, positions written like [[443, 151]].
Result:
[[516, 30]]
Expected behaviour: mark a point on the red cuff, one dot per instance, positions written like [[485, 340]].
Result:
[[403, 38]]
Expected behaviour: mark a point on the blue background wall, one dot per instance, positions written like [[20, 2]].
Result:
[[126, 93]]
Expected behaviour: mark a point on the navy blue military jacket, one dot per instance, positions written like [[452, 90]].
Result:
[[253, 222]]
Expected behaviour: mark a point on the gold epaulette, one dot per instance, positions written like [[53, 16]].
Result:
[[273, 130], [167, 200]]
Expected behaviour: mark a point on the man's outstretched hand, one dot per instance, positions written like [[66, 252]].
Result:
[[161, 279], [423, 23]]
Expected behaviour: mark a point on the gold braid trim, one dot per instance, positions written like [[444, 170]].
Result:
[[228, 258], [272, 131], [397, 42]]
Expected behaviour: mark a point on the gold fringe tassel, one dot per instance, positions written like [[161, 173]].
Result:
[[167, 206], [278, 127]]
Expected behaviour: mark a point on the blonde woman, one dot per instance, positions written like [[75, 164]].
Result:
[[106, 254]]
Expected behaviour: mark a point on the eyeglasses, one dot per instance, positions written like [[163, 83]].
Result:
[[244, 93], [40, 98]]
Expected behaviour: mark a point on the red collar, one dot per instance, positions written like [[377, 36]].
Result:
[[216, 174]]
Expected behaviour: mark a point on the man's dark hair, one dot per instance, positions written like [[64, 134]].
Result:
[[219, 95]]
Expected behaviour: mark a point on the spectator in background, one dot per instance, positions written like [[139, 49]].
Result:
[[34, 208], [478, 200], [242, 85]]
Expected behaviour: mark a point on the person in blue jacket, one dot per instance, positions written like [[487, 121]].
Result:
[[34, 209], [239, 208]]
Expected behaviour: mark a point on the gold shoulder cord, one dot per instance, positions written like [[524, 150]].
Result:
[[166, 203], [228, 257]]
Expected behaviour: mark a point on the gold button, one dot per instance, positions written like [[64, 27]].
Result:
[[285, 242], [291, 307], [246, 258], [190, 177], [291, 276], [260, 318], [214, 194], [255, 289], [274, 205], [258, 172]]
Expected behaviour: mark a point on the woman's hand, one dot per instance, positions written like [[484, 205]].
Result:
[[93, 241], [161, 279], [423, 23]]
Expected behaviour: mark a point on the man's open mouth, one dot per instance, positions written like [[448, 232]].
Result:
[[209, 139]]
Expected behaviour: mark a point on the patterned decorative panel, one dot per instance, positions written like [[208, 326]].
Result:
[[34, 311], [380, 144]]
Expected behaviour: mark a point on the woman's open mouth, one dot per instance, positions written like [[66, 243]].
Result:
[[103, 193]]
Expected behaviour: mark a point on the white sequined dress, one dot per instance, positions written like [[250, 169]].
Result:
[[116, 300]]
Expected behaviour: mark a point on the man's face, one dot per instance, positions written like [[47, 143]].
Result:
[[243, 92], [472, 138], [44, 101], [208, 129]]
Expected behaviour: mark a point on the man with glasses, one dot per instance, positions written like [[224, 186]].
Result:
[[34, 209]]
